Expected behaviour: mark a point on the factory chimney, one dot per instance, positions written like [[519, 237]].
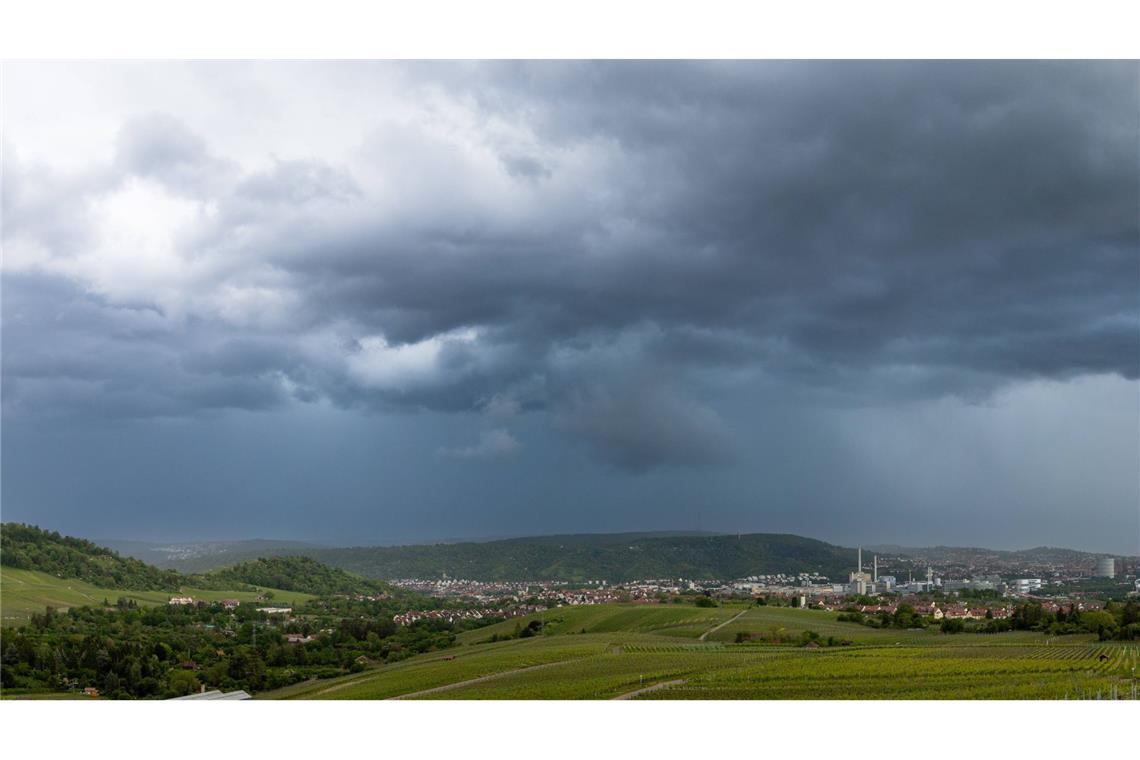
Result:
[[875, 576]]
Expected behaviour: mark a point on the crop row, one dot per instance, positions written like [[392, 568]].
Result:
[[1053, 686]]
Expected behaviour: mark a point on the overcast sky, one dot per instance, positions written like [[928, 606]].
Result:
[[382, 302]]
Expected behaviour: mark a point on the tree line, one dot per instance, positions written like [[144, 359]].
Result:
[[130, 652]]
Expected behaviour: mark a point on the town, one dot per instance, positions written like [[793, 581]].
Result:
[[940, 592]]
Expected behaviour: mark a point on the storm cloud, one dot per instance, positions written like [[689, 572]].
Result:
[[620, 251]]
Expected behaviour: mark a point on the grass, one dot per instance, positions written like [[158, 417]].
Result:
[[23, 592], [626, 648]]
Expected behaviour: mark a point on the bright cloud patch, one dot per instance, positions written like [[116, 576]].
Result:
[[493, 444]]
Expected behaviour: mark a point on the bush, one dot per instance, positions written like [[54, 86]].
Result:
[[953, 626]]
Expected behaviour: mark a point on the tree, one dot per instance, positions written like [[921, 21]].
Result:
[[1130, 614], [182, 682], [1099, 622]]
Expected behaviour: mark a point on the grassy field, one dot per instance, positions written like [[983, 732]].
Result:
[[23, 592], [655, 652]]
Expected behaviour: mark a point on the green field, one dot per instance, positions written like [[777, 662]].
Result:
[[673, 620], [604, 652], [23, 592]]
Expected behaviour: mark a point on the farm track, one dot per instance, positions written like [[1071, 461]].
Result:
[[641, 654], [638, 692], [480, 679], [716, 628]]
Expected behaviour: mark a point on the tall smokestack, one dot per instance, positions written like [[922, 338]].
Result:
[[875, 576], [860, 568]]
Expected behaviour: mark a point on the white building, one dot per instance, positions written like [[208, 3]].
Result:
[[1025, 585], [859, 582], [1106, 567]]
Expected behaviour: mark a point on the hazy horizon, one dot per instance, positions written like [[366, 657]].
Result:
[[426, 540], [359, 302]]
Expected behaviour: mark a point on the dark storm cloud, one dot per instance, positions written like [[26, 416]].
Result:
[[637, 426], [860, 230]]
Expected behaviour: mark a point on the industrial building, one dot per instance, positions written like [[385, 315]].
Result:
[[1106, 567]]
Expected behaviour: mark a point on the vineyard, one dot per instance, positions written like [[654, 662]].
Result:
[[655, 653]]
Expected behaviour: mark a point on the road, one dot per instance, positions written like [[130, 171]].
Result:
[[480, 679], [647, 689], [714, 629]]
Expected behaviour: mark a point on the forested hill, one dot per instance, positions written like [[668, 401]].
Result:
[[293, 574], [28, 547], [615, 557], [611, 557]]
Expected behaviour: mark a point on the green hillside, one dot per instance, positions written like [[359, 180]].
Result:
[[45, 569], [23, 592], [293, 574], [27, 547], [614, 557], [655, 652]]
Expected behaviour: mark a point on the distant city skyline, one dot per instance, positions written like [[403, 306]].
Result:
[[387, 302]]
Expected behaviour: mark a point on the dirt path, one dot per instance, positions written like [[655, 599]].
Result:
[[647, 689], [716, 628], [480, 679], [344, 685], [360, 678]]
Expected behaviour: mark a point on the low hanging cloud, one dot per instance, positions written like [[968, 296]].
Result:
[[492, 444], [525, 238]]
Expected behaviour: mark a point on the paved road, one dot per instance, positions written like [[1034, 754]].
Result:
[[647, 689], [714, 629]]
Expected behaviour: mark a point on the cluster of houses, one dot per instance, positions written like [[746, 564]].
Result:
[[379, 597], [957, 610], [454, 616], [298, 638], [180, 601], [952, 611]]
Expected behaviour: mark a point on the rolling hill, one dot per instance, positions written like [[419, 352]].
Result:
[[23, 592], [203, 556], [610, 557], [574, 557], [293, 574], [27, 547], [45, 569]]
